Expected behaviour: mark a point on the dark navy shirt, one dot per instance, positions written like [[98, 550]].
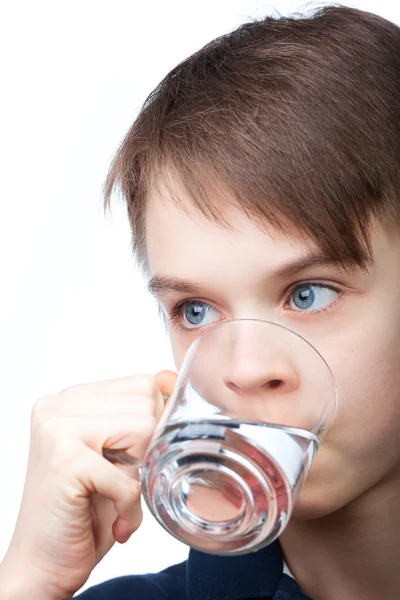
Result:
[[205, 577]]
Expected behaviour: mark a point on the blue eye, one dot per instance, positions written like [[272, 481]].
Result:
[[198, 314], [312, 297]]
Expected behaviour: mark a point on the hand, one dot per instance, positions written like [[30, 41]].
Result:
[[76, 503]]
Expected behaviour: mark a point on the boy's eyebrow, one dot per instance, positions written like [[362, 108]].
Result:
[[297, 265], [160, 284]]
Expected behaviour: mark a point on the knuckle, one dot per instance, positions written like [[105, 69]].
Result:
[[49, 428], [62, 454], [54, 446], [147, 426], [147, 384], [79, 460], [150, 406], [43, 409], [143, 429], [146, 430], [48, 434]]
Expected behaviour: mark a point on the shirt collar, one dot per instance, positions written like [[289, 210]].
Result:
[[254, 575]]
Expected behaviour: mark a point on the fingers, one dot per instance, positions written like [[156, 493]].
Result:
[[129, 432], [90, 439], [68, 405], [96, 475], [138, 385], [120, 457], [141, 385]]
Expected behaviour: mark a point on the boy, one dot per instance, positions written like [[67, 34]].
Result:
[[262, 179]]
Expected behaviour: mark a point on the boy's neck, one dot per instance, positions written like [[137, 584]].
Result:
[[352, 553]]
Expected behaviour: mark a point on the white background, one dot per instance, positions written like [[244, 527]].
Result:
[[73, 305]]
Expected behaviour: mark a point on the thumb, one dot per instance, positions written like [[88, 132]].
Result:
[[166, 381]]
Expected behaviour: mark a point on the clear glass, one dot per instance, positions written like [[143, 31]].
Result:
[[239, 433]]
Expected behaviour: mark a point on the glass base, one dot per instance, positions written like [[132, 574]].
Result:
[[225, 487]]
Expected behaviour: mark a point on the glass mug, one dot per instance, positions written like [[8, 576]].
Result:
[[251, 404], [230, 454]]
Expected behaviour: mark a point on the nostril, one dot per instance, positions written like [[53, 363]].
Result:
[[232, 386], [275, 383]]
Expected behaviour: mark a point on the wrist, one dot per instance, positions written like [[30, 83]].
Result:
[[18, 581]]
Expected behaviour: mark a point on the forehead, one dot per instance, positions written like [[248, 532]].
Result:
[[180, 238]]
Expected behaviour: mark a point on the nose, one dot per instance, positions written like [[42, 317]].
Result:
[[250, 375]]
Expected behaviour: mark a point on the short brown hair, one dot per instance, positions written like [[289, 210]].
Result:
[[295, 119]]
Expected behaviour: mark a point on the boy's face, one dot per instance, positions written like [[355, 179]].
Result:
[[351, 316]]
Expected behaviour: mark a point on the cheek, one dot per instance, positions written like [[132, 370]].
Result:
[[362, 445], [180, 344], [368, 379]]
